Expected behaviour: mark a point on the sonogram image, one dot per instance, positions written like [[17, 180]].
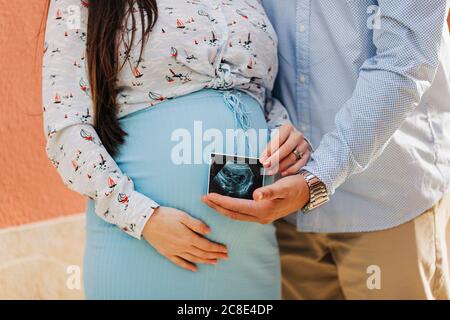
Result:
[[234, 176]]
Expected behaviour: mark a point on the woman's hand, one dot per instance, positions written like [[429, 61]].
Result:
[[280, 155], [179, 237]]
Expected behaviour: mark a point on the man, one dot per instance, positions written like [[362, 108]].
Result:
[[368, 83]]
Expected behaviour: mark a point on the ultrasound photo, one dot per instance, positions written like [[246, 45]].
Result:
[[235, 176]]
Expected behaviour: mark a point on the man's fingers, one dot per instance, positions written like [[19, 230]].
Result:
[[207, 254], [287, 163], [304, 148], [237, 205], [194, 259], [183, 263], [293, 169], [195, 225], [277, 190], [278, 139], [265, 193], [231, 214]]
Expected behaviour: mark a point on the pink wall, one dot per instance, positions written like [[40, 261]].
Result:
[[30, 189]]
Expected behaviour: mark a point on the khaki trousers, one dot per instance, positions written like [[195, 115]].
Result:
[[406, 262]]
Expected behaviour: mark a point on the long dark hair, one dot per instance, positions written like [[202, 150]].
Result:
[[104, 33]]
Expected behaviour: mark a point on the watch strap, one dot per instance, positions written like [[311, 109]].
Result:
[[317, 191]]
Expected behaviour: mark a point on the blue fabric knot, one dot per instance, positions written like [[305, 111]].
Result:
[[234, 103], [241, 116]]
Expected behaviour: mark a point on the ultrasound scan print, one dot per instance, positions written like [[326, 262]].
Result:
[[235, 176]]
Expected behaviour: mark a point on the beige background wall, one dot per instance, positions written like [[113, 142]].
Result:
[[41, 230], [37, 261]]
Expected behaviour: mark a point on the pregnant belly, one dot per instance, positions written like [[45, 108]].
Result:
[[167, 149], [174, 175]]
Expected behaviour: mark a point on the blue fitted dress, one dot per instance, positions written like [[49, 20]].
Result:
[[118, 266], [224, 46]]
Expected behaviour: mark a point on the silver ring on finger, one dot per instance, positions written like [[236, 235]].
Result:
[[298, 154]]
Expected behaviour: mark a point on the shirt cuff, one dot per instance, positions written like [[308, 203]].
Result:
[[142, 208]]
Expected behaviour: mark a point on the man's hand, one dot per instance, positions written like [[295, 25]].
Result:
[[270, 203]]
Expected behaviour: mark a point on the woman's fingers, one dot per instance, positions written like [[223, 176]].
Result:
[[207, 245], [180, 238], [199, 227], [183, 263], [195, 225], [288, 162], [274, 144], [206, 254], [195, 259]]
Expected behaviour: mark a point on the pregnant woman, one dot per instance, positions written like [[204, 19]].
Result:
[[121, 80]]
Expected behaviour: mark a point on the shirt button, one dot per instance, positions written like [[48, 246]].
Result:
[[302, 28], [302, 79], [303, 128]]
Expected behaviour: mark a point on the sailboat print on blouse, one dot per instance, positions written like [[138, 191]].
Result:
[[137, 73], [180, 24], [207, 15], [183, 77], [84, 86], [57, 99], [242, 14], [85, 117], [250, 64], [87, 136], [156, 96], [59, 14], [173, 52], [75, 165], [111, 184], [123, 200]]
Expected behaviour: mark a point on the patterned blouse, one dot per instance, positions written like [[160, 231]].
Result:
[[195, 44]]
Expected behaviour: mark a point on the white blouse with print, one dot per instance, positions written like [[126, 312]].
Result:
[[195, 44]]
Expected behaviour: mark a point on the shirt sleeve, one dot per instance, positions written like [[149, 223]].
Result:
[[72, 144], [390, 86]]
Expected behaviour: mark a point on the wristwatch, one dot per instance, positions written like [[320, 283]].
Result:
[[317, 191]]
